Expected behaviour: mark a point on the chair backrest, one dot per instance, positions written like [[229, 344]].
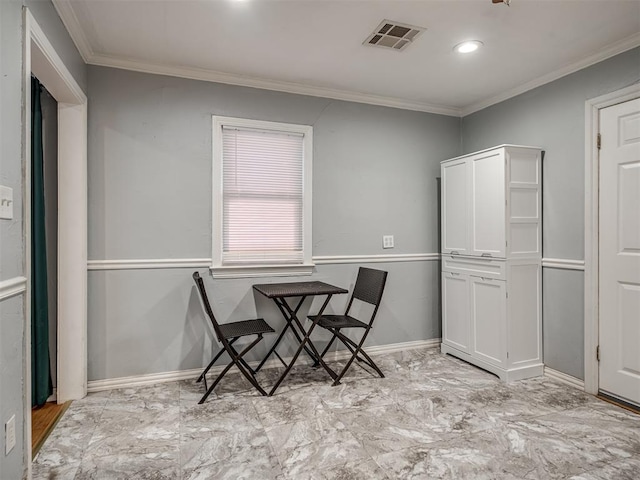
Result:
[[368, 288], [205, 301], [369, 285]]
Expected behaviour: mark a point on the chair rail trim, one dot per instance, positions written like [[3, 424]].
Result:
[[12, 287]]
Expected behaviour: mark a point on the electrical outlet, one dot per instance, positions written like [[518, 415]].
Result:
[[10, 435], [387, 241]]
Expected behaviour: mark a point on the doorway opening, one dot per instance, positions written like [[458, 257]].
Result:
[[42, 61]]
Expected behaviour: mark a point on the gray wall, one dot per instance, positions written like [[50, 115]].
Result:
[[374, 173], [552, 117], [11, 241], [12, 253]]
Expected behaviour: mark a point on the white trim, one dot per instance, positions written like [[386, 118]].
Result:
[[164, 263], [253, 271], [71, 22], [614, 49], [41, 59], [267, 84], [218, 269], [68, 16], [564, 378], [12, 287], [563, 263], [592, 228], [153, 263], [163, 377], [47, 65], [26, 228], [393, 258]]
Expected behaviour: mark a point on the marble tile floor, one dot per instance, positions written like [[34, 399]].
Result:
[[433, 417]]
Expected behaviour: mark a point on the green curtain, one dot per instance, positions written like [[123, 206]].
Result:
[[41, 385]]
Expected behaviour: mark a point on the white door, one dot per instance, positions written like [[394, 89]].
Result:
[[489, 320], [455, 198], [455, 310], [488, 204], [619, 245]]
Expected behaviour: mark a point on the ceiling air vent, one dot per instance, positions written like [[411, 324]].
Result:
[[393, 35]]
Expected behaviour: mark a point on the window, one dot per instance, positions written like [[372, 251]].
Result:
[[261, 198]]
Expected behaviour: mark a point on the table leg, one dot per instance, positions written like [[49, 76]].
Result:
[[303, 342], [288, 314]]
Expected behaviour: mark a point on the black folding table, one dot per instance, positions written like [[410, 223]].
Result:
[[279, 292]]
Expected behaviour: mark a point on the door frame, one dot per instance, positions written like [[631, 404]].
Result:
[[41, 59], [592, 228]]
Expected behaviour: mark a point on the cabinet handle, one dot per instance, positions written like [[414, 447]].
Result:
[[454, 252], [486, 255], [454, 273]]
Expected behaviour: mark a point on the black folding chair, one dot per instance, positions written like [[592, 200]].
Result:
[[227, 334], [368, 288]]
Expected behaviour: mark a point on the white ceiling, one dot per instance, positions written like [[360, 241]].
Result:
[[316, 46]]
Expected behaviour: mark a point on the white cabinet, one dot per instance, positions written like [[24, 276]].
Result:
[[455, 237], [491, 203], [455, 310], [491, 254]]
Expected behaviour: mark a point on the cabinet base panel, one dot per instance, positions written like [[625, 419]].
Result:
[[510, 375]]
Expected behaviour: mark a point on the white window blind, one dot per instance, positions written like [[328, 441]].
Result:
[[262, 196]]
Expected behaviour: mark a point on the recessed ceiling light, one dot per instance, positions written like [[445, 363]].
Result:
[[468, 47]]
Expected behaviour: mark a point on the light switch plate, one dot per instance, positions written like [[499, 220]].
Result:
[[6, 203], [387, 241]]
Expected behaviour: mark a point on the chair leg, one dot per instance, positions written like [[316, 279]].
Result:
[[242, 360], [357, 350], [215, 382], [237, 360], [204, 372], [317, 362], [350, 344]]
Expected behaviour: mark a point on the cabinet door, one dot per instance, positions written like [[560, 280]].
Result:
[[489, 320], [455, 310], [455, 197], [488, 204]]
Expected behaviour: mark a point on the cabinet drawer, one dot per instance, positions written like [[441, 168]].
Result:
[[488, 268]]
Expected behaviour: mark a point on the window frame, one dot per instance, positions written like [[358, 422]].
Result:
[[218, 269]]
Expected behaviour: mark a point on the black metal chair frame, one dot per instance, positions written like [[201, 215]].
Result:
[[368, 288], [227, 334]]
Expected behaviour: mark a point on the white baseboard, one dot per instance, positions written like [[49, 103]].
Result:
[[564, 378], [163, 377]]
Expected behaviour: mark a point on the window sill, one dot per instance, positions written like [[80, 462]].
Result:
[[251, 271]]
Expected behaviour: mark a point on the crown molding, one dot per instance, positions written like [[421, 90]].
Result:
[[614, 49], [70, 20], [267, 84], [72, 24]]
